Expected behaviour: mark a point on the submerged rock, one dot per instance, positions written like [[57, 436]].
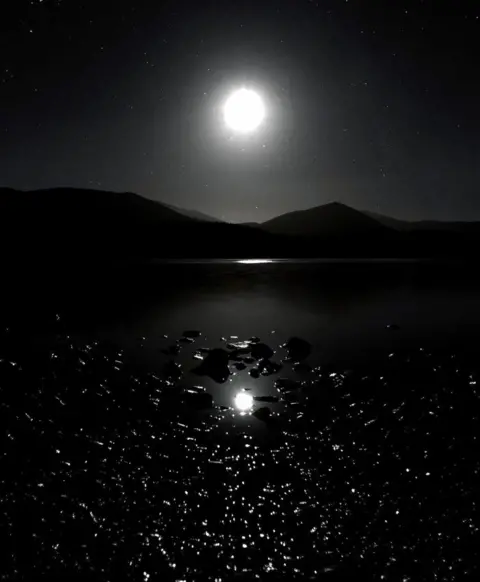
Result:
[[192, 333], [215, 365], [267, 367], [287, 384], [261, 351], [297, 348], [244, 347], [262, 413], [255, 373], [266, 398]]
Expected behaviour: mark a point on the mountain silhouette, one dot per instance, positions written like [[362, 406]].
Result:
[[425, 225], [389, 221], [70, 206], [69, 226], [87, 225], [333, 219], [196, 214]]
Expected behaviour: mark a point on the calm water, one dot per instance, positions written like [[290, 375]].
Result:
[[342, 308], [356, 456]]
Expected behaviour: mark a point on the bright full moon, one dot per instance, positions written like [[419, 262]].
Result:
[[244, 111], [243, 401]]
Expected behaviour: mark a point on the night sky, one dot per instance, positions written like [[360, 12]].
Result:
[[372, 103]]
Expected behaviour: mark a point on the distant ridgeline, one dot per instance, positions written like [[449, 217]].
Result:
[[89, 225]]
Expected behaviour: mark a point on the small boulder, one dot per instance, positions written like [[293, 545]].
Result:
[[287, 385], [245, 347], [266, 398], [215, 365], [267, 367], [262, 413], [192, 333], [261, 351], [297, 348]]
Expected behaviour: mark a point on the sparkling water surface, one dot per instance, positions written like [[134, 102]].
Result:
[[197, 456]]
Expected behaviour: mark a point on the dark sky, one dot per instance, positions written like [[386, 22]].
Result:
[[372, 103]]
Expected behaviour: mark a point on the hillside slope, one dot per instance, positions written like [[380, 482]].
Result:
[[334, 219]]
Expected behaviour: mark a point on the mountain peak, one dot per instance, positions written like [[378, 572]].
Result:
[[334, 218], [335, 203]]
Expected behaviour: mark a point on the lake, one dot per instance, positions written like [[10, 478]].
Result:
[[343, 308], [158, 427]]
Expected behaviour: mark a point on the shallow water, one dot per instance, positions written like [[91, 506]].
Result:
[[343, 308], [368, 464]]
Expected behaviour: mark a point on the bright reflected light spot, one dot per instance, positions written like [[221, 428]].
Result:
[[244, 111], [254, 261], [243, 401]]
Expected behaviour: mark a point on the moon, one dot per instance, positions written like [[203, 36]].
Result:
[[244, 111]]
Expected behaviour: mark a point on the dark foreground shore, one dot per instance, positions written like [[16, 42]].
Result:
[[111, 471]]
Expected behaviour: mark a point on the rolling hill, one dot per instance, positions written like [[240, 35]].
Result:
[[72, 227], [334, 219], [66, 223], [196, 214], [424, 225], [71, 207]]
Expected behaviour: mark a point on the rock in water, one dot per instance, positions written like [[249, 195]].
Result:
[[262, 414], [297, 348], [192, 333], [267, 367], [245, 347], [215, 365], [287, 385], [261, 351]]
